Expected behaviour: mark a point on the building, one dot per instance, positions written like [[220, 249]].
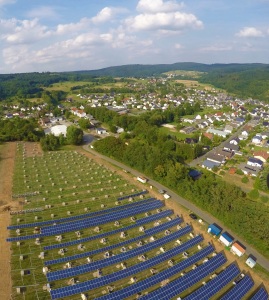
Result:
[[209, 165], [57, 130], [238, 249], [214, 229], [100, 130], [251, 262], [226, 239]]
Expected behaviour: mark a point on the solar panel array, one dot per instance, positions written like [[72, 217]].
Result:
[[181, 284], [94, 221], [83, 216], [133, 195], [95, 283], [98, 220], [215, 285], [157, 229], [240, 289], [142, 221], [157, 278], [60, 274], [260, 294]]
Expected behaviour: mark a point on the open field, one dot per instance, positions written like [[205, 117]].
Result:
[[196, 84], [72, 192]]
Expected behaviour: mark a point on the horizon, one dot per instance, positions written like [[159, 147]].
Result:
[[55, 37]]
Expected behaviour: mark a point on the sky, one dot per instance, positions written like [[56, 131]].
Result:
[[70, 35]]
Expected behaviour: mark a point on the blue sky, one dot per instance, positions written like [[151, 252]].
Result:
[[57, 35]]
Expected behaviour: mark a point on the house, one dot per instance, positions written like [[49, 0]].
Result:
[[217, 132], [226, 239], [250, 170], [256, 140], [251, 262], [191, 141], [234, 141], [100, 130], [214, 229], [209, 165], [230, 147], [208, 135], [255, 162], [238, 249], [216, 158], [261, 155], [228, 129], [226, 153], [240, 121]]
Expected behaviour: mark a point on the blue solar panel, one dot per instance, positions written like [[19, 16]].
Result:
[[95, 283], [83, 216], [240, 289], [98, 220], [157, 278], [133, 195], [138, 238], [215, 285], [181, 284], [260, 294], [151, 218], [60, 274]]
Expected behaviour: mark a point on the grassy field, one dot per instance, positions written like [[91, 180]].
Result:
[[67, 184]]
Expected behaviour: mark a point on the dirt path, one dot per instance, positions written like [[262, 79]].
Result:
[[7, 155]]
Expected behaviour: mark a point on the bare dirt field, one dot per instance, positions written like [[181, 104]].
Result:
[[6, 203]]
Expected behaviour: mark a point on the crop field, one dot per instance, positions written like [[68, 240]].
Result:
[[85, 232]]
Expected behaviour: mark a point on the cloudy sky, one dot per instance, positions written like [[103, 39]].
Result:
[[58, 35]]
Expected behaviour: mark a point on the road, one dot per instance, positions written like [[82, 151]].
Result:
[[199, 212]]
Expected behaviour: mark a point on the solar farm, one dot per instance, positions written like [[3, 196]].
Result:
[[85, 232]]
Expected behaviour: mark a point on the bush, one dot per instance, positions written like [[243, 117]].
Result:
[[222, 173], [245, 179], [239, 172], [254, 194], [264, 199]]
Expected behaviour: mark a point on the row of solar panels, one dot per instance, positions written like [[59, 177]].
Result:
[[133, 195], [94, 221], [142, 221], [77, 217], [91, 284], [61, 274]]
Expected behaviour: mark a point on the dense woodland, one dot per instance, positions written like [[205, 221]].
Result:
[[163, 158]]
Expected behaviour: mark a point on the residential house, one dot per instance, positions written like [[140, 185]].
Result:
[[228, 129], [226, 153], [209, 165], [217, 132], [257, 140], [216, 158], [261, 155], [255, 162], [101, 130], [249, 170], [187, 130], [234, 141]]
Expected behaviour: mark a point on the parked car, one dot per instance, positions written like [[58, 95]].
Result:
[[193, 216]]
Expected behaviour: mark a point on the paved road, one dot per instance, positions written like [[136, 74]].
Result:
[[202, 214]]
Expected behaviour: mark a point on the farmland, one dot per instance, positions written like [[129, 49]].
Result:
[[141, 236]]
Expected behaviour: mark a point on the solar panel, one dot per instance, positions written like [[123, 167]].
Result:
[[215, 285], [260, 294], [181, 284], [157, 278], [60, 274], [95, 283], [145, 220], [83, 216], [240, 289], [98, 220], [157, 229]]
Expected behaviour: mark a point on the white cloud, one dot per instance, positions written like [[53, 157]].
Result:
[[249, 32], [216, 48], [43, 12], [175, 21], [69, 28], [155, 6], [5, 2], [107, 14], [178, 46], [22, 31]]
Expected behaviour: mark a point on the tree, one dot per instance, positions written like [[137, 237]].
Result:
[[49, 143], [84, 123], [74, 135]]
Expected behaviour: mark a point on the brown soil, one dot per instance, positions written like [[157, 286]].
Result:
[[6, 204]]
